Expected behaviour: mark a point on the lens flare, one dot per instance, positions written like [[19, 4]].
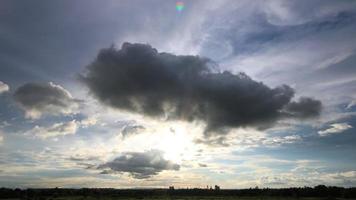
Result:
[[179, 6]]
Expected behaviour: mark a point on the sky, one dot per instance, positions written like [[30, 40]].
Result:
[[141, 94]]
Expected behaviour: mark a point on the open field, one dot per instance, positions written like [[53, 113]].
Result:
[[320, 192], [182, 198]]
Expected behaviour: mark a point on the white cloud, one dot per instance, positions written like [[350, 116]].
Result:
[[58, 129], [276, 141], [4, 87], [90, 121], [335, 128]]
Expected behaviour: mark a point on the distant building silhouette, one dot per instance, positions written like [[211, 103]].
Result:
[[171, 187]]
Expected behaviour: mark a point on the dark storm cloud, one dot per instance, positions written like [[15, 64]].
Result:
[[44, 98], [139, 79], [140, 164]]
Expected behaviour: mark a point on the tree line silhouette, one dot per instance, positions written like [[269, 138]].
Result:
[[53, 193]]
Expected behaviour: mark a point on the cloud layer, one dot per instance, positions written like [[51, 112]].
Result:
[[140, 164], [139, 79], [37, 99]]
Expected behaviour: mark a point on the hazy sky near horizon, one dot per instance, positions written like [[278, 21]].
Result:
[[131, 93]]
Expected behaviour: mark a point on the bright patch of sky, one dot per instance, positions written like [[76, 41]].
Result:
[[57, 132]]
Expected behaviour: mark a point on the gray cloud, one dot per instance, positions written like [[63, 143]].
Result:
[[202, 165], [45, 98], [139, 79], [131, 130], [140, 164], [304, 108], [81, 158]]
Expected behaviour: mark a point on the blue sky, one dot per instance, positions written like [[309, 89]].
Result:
[[57, 130]]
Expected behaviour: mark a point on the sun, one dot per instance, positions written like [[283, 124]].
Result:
[[174, 139], [176, 144]]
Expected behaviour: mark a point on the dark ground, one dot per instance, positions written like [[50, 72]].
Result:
[[320, 192]]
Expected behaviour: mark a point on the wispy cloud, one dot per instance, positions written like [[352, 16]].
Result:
[[334, 129], [57, 129]]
